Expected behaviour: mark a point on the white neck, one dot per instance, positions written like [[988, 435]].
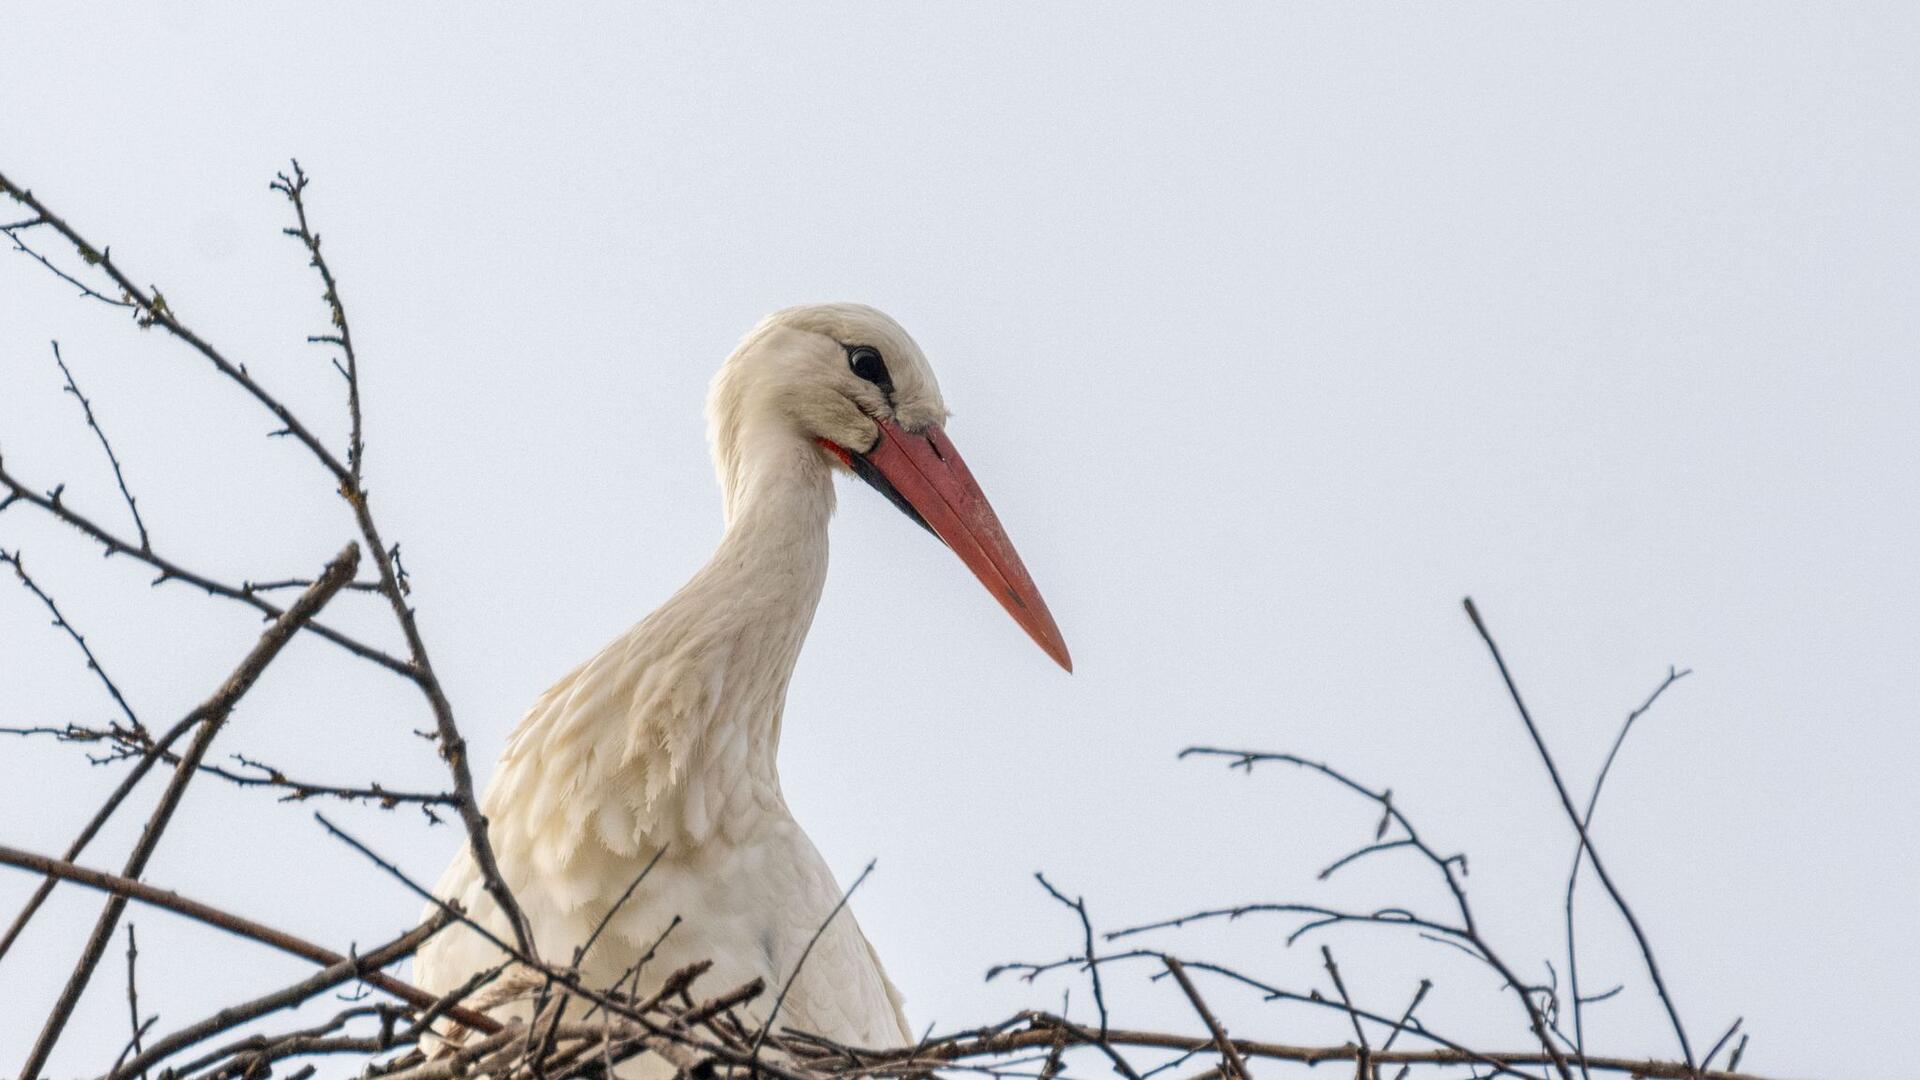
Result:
[[764, 580], [672, 732], [724, 647]]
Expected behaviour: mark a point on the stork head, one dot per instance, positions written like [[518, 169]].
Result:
[[849, 387]]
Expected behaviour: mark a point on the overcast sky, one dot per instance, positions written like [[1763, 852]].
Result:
[[1272, 333]]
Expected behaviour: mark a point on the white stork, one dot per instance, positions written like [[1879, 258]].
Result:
[[669, 737]]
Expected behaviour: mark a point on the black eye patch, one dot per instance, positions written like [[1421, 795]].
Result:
[[866, 362]]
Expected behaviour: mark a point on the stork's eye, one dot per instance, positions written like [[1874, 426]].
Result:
[[866, 363]]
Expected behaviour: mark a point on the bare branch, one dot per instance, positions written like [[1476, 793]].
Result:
[[122, 887], [13, 233], [1042, 1030], [1721, 1043], [93, 826], [294, 188], [59, 620], [344, 970], [1452, 871], [1234, 1062], [1400, 1025], [1346, 1002], [169, 570], [119, 478], [152, 309], [133, 992], [1579, 856], [211, 716], [1586, 841], [1078, 906]]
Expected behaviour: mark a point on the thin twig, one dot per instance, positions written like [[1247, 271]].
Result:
[[133, 1043], [1228, 1053], [343, 970], [20, 245], [1586, 841], [294, 188], [1406, 1018], [237, 925], [1720, 1043], [301, 583], [1579, 857], [1365, 1061], [93, 826], [1043, 1030], [13, 559], [133, 991], [1451, 868], [125, 744], [302, 790], [119, 478], [212, 715], [20, 491], [1078, 906], [453, 745]]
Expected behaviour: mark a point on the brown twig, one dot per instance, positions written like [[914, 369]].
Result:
[[1043, 1029], [238, 925], [345, 969], [1078, 906], [124, 745], [13, 559], [1228, 1053], [294, 188], [211, 716], [1365, 1058], [133, 991], [453, 745], [301, 583], [153, 310], [1451, 868], [52, 503], [93, 826], [1720, 1043], [119, 478], [301, 790], [1499, 1063], [12, 232], [1419, 995]]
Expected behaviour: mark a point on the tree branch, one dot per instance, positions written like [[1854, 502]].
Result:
[[1586, 841], [211, 716]]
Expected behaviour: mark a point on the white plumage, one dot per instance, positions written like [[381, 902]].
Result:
[[668, 737]]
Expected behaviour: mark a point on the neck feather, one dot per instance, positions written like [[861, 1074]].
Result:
[[672, 732], [756, 598]]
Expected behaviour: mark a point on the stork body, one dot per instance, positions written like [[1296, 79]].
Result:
[[666, 741]]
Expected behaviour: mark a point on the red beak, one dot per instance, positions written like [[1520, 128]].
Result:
[[923, 474]]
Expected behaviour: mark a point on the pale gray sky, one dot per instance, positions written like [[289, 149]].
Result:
[[1271, 332]]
